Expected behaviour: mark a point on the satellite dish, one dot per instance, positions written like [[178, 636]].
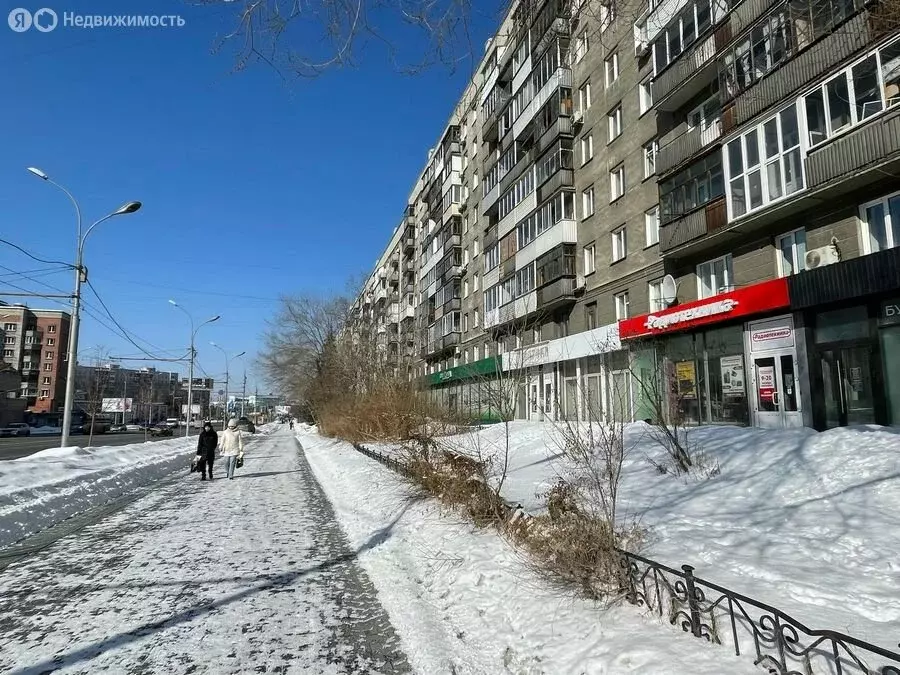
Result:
[[669, 290]]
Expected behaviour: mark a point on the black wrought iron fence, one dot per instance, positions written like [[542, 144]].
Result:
[[778, 642]]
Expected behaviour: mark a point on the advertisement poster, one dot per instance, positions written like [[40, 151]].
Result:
[[766, 382], [686, 378], [115, 405], [732, 369]]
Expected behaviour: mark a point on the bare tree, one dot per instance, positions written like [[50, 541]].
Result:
[[97, 385], [306, 38]]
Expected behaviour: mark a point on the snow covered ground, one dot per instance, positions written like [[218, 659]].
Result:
[[805, 521], [49, 486], [463, 601], [210, 578]]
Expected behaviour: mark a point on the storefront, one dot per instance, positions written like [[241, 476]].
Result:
[[575, 377], [725, 359], [471, 389], [850, 313]]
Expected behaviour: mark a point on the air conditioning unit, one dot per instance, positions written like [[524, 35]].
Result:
[[825, 255], [579, 282], [578, 117]]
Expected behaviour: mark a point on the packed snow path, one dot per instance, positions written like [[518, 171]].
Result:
[[248, 575]]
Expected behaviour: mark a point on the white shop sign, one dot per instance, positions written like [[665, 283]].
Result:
[[597, 341], [771, 334]]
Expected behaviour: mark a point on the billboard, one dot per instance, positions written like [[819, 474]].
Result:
[[282, 410], [195, 409], [116, 405]]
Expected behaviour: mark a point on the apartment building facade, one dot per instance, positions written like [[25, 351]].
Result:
[[152, 392], [780, 133], [710, 190], [34, 345]]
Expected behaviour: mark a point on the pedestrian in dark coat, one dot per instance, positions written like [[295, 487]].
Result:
[[207, 443]]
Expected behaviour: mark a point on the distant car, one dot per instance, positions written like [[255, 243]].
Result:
[[246, 425], [173, 423], [134, 427], [161, 430], [118, 428], [16, 429]]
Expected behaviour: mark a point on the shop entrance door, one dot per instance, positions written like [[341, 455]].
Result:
[[847, 385], [777, 400]]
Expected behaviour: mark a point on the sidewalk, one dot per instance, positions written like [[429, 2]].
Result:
[[249, 575]]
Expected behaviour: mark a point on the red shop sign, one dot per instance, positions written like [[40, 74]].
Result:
[[756, 299]]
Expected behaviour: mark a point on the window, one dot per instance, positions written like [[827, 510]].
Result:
[[714, 277], [587, 202], [45, 393], [465, 288], [619, 245], [560, 207], [465, 256], [48, 366], [49, 356], [854, 95], [475, 282], [617, 182], [791, 251], [645, 93], [51, 329], [466, 322], [621, 300], [651, 226], [681, 33], [51, 342], [475, 325], [492, 257], [559, 262], [587, 149], [691, 188], [10, 339], [474, 248], [9, 327], [650, 151], [881, 224], [764, 164], [590, 252], [7, 353], [654, 290], [614, 123], [707, 115], [584, 97], [46, 380], [590, 315], [607, 14], [581, 46], [612, 68]]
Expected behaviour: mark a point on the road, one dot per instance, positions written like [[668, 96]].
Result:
[[13, 448], [217, 578]]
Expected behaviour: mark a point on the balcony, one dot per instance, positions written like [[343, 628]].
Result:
[[440, 345], [688, 75], [561, 127], [452, 305], [562, 77], [451, 242], [507, 268], [380, 295], [556, 294], [394, 277], [512, 218], [694, 225], [563, 232], [865, 148], [679, 148], [409, 312], [562, 178]]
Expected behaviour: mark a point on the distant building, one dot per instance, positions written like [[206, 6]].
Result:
[[34, 345]]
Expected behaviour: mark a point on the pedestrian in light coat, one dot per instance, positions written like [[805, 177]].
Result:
[[206, 449], [232, 446]]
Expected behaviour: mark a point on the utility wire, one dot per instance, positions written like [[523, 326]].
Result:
[[34, 257], [113, 319]]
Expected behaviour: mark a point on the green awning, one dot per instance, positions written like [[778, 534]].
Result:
[[488, 366]]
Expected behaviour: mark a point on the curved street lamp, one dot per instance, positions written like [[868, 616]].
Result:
[[80, 277], [190, 393]]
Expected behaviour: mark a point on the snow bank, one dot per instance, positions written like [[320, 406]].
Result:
[[805, 521], [464, 602], [49, 486]]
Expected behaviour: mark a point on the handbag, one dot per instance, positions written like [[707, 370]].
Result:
[[195, 463], [240, 462]]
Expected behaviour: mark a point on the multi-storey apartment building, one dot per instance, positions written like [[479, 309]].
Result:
[[614, 197], [34, 344], [152, 391], [780, 141]]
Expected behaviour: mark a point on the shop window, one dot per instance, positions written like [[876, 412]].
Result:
[[727, 384], [715, 277], [791, 252], [764, 164], [880, 224]]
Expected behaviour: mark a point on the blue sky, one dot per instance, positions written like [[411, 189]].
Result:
[[251, 188]]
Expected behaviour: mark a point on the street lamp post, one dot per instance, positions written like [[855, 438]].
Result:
[[190, 392], [225, 354], [80, 277]]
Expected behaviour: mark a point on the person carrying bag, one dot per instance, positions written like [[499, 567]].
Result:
[[232, 448], [206, 450]]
